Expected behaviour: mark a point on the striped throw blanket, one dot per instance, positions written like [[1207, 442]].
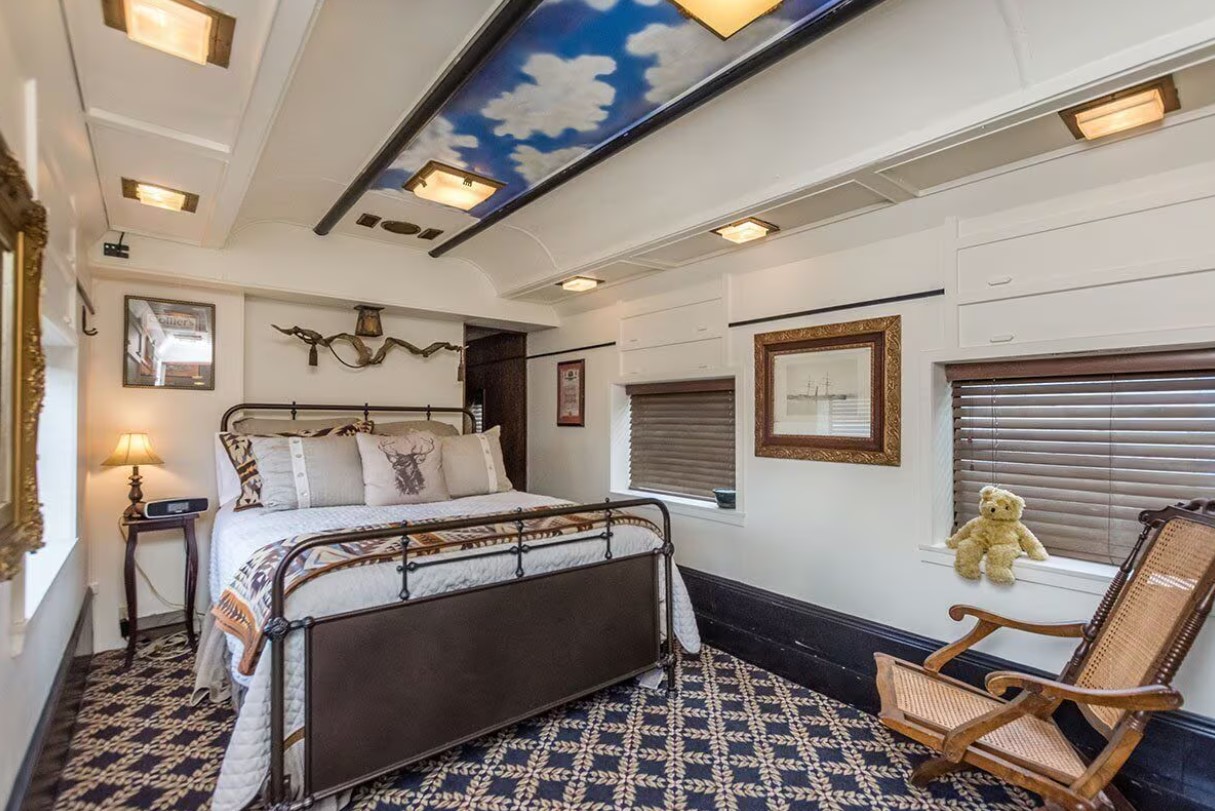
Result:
[[245, 605]]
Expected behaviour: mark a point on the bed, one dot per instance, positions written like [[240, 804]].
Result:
[[384, 635]]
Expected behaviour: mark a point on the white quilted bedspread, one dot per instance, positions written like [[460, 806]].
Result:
[[238, 535]]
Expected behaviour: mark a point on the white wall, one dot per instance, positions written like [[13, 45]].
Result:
[[276, 365], [253, 363], [42, 123], [1090, 262]]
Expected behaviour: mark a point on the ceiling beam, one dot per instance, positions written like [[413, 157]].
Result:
[[799, 36], [508, 17]]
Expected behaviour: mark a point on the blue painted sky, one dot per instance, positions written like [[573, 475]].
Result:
[[575, 74]]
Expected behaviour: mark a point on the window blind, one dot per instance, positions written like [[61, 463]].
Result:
[[682, 437], [1087, 452]]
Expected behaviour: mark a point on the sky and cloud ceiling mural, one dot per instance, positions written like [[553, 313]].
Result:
[[573, 75]]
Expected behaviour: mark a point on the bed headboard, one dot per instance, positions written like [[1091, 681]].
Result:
[[366, 410]]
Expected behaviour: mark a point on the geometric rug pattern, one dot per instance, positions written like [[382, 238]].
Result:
[[732, 737]]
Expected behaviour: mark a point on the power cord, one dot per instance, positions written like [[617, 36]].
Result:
[[171, 646]]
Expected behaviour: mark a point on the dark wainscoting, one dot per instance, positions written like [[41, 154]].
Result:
[[1173, 769], [34, 786]]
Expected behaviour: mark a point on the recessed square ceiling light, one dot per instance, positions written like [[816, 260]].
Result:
[[182, 28], [745, 230], [151, 194], [1124, 110], [725, 18], [449, 186], [579, 284]]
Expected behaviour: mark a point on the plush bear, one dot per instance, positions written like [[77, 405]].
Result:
[[998, 533]]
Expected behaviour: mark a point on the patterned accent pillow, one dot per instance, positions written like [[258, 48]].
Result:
[[240, 452], [406, 469]]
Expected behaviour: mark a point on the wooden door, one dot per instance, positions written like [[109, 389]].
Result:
[[495, 382]]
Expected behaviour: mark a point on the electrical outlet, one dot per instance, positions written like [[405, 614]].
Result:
[[116, 250]]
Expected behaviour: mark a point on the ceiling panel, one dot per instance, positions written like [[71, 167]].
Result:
[[686, 250], [609, 274], [1035, 137], [164, 162], [132, 80], [824, 205]]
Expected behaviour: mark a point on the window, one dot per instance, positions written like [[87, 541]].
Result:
[[681, 438], [1087, 442]]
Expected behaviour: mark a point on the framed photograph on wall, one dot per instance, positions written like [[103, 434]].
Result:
[[168, 344], [571, 392], [830, 393]]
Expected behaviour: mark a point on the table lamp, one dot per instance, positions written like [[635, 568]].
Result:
[[133, 449]]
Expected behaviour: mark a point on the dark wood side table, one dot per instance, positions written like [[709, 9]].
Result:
[[134, 528]]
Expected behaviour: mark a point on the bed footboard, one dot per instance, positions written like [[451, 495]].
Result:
[[391, 685]]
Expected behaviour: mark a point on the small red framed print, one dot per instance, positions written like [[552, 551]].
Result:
[[571, 392]]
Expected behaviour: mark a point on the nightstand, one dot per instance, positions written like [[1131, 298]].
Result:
[[134, 528]]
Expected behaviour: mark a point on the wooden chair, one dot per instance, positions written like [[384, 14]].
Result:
[[1119, 675]]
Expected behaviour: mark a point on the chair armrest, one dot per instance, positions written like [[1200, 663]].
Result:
[[989, 623], [1152, 697]]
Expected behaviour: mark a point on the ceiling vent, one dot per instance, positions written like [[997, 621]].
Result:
[[368, 220]]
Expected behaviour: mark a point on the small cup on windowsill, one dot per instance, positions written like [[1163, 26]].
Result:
[[727, 498]]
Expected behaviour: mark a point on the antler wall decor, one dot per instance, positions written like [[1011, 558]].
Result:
[[364, 356]]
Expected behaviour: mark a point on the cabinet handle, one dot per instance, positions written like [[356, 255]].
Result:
[[996, 281], [633, 340], [702, 329], [1001, 339]]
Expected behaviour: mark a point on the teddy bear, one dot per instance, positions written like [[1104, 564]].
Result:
[[998, 533]]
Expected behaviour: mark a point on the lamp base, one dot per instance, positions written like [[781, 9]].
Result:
[[135, 495]]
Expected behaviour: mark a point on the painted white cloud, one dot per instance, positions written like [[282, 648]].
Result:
[[535, 165], [687, 53], [567, 94], [440, 142]]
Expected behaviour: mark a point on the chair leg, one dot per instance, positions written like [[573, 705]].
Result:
[[1116, 799], [930, 770]]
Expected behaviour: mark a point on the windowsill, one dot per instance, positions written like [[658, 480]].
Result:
[[41, 569], [1066, 573], [689, 507]]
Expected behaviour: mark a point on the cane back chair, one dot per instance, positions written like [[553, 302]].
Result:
[[1118, 676]]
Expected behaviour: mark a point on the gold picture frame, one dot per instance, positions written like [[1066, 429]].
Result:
[[23, 236], [830, 393]]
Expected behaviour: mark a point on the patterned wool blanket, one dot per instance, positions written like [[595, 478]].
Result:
[[245, 605]]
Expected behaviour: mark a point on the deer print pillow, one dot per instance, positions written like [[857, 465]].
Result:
[[405, 469]]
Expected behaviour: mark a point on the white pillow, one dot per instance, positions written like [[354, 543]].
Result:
[[405, 469]]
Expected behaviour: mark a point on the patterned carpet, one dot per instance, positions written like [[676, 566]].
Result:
[[734, 737]]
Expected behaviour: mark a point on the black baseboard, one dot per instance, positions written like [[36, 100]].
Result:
[[34, 787], [832, 653]]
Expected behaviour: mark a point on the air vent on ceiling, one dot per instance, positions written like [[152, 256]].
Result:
[[430, 233], [405, 229], [368, 220]]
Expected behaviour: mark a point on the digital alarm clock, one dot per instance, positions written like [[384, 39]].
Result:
[[172, 507]]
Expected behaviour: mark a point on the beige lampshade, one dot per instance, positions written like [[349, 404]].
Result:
[[133, 449]]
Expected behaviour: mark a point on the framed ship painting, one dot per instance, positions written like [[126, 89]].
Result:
[[168, 344], [571, 393], [830, 393]]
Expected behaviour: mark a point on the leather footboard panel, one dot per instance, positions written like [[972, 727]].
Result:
[[391, 685]]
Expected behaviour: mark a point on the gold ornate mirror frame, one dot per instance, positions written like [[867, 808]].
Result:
[[23, 233]]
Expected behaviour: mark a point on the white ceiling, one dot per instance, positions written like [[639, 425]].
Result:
[[157, 118], [911, 97]]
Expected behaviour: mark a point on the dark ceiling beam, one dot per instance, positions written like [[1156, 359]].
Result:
[[492, 34], [802, 35]]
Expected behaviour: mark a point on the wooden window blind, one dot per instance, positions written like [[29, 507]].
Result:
[[1088, 443], [681, 437]]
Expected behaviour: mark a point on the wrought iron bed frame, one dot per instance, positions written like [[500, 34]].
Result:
[[524, 646]]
